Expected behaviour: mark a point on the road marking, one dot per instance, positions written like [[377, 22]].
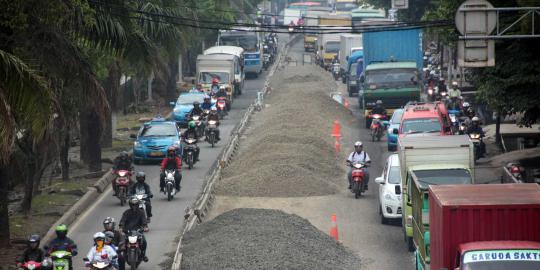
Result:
[[81, 217]]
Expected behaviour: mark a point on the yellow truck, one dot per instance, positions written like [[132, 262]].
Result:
[[329, 45], [310, 42]]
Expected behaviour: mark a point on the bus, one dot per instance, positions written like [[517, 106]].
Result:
[[345, 6], [365, 14], [251, 42]]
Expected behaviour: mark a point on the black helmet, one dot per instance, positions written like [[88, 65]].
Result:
[[140, 177], [109, 237], [133, 202], [33, 241], [109, 224], [195, 104], [124, 155], [207, 98]]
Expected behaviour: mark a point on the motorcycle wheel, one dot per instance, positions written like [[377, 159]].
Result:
[[190, 162], [357, 190], [169, 192], [122, 196], [212, 139], [372, 136]]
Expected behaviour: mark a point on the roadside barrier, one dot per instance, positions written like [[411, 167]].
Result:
[[334, 229], [336, 129]]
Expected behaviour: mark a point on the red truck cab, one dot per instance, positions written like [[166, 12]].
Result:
[[427, 118], [499, 255]]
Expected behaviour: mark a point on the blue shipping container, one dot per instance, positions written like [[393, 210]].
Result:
[[402, 45]]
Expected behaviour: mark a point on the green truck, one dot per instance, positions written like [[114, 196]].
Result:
[[429, 160]]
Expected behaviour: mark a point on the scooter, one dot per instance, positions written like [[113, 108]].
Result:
[[169, 184], [122, 183], [221, 106], [60, 259], [96, 265], [358, 174], [335, 71], [30, 265], [141, 197], [376, 127], [454, 118], [199, 127], [133, 252], [190, 146], [477, 142], [211, 128]]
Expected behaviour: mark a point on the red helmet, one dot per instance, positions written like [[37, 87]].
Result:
[[515, 169], [215, 81]]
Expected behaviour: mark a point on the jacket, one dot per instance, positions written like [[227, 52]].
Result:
[[133, 189], [171, 163], [189, 133], [195, 111], [132, 220], [62, 244], [122, 164], [206, 106], [29, 254]]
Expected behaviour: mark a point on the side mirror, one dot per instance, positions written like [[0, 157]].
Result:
[[398, 190], [172, 103], [395, 131], [133, 136], [379, 180]]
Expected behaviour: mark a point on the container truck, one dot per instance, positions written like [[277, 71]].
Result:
[[392, 60], [476, 227], [349, 43], [430, 160], [219, 66], [354, 69]]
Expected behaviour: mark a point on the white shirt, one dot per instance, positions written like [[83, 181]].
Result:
[[363, 157], [95, 256]]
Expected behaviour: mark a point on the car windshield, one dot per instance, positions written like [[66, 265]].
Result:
[[247, 42], [396, 77], [443, 177], [346, 6], [161, 130], [352, 72], [501, 260], [396, 117], [394, 175], [421, 125], [332, 47], [207, 77], [189, 99]]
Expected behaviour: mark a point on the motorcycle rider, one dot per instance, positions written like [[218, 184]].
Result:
[[213, 115], [207, 103], [191, 132], [196, 110], [32, 251], [223, 93], [133, 219], [117, 240], [379, 109], [214, 88], [121, 162], [475, 128], [140, 187], [171, 162], [101, 252], [62, 242], [358, 155], [454, 93]]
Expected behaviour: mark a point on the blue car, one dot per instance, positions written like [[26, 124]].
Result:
[[153, 139], [393, 123], [184, 104]]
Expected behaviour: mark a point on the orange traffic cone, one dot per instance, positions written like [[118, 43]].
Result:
[[334, 230], [337, 146], [336, 129], [346, 103]]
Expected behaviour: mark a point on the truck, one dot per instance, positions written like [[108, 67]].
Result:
[[361, 15], [238, 52], [392, 63], [430, 160], [349, 43], [291, 15], [220, 66], [328, 48], [345, 6], [493, 226], [353, 70]]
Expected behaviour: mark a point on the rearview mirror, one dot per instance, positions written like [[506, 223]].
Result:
[[379, 180], [395, 131], [172, 103], [398, 190], [133, 136], [386, 123]]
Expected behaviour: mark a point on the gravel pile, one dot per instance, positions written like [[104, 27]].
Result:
[[287, 150], [262, 239]]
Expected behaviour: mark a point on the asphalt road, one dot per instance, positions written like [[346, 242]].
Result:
[[167, 216]]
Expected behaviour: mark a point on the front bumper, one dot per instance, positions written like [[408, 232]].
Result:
[[145, 154], [391, 209]]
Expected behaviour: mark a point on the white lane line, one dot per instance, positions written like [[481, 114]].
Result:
[[82, 217]]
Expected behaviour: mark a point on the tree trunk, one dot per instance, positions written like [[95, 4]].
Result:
[[64, 155], [4, 214], [28, 184], [84, 137], [112, 84], [174, 77], [150, 80], [92, 128]]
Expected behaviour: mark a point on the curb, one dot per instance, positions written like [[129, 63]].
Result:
[[202, 205], [80, 206]]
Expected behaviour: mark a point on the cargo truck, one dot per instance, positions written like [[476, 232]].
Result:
[[354, 69], [328, 48], [477, 227], [349, 43], [392, 60], [430, 160], [217, 66]]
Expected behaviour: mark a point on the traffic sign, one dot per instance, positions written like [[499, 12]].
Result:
[[472, 18], [400, 4]]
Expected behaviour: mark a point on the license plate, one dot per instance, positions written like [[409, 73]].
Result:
[[156, 154]]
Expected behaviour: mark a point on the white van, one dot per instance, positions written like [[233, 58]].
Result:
[[238, 52]]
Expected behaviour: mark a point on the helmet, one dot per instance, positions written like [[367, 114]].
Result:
[[191, 124], [171, 151], [140, 177], [206, 98], [222, 87], [99, 235], [195, 104], [466, 104], [133, 201], [124, 155], [475, 119], [454, 83], [378, 102], [358, 144], [215, 80], [109, 224], [109, 236], [61, 230], [213, 109], [33, 240]]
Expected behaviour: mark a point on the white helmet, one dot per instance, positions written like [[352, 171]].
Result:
[[475, 119], [454, 83], [222, 87], [99, 235], [358, 143], [466, 104]]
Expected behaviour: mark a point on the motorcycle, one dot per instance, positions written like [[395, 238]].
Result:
[[291, 29], [211, 137], [358, 174], [376, 127], [133, 251], [169, 184], [190, 146], [335, 71], [221, 106], [60, 259], [266, 61], [198, 125], [30, 265], [454, 118], [141, 197], [477, 141], [122, 183], [96, 265]]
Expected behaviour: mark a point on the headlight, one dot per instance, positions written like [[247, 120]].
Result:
[[176, 110], [389, 197], [137, 144]]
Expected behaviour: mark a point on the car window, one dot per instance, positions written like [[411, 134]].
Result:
[[189, 99], [159, 131], [207, 77], [394, 175], [421, 125], [396, 117]]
